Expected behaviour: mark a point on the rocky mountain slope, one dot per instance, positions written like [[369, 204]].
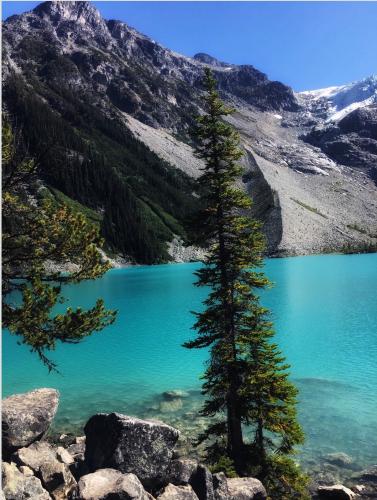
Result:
[[117, 109]]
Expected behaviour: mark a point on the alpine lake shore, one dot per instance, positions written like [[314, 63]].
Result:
[[123, 457]]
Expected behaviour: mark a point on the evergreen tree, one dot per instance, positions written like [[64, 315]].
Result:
[[246, 380], [35, 232]]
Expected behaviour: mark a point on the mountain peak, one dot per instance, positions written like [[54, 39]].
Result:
[[207, 59], [81, 12]]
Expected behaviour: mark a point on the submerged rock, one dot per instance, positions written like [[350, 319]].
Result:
[[340, 459], [130, 445], [110, 483], [368, 475], [172, 492], [177, 393], [27, 417], [171, 405], [246, 488], [335, 492], [18, 486]]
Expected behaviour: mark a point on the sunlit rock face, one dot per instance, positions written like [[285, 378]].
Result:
[[310, 161]]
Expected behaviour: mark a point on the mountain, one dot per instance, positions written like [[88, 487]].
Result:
[[346, 127], [112, 111], [334, 103]]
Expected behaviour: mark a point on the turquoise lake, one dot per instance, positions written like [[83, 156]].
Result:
[[325, 312]]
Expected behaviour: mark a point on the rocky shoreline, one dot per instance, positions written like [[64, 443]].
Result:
[[122, 457]]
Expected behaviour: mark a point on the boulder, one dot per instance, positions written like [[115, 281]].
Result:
[[339, 459], [368, 475], [171, 405], [64, 456], [202, 483], [130, 445], [220, 486], [172, 492], [335, 492], [26, 471], [17, 486], [177, 393], [246, 488], [110, 483], [27, 417], [181, 471], [43, 460]]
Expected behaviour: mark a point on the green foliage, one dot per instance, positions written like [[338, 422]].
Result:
[[224, 464], [96, 161], [61, 199], [246, 380], [308, 207], [36, 232], [357, 228], [284, 479]]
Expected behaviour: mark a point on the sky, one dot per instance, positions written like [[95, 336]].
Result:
[[307, 45]]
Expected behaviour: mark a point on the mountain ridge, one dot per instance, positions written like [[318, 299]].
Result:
[[70, 58]]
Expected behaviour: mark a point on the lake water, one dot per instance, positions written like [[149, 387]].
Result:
[[325, 312]]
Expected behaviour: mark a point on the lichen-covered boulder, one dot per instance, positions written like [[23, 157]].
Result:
[[18, 486], [181, 471], [172, 492], [202, 483], [27, 417], [130, 445], [110, 483], [220, 486], [246, 488], [45, 462], [335, 492]]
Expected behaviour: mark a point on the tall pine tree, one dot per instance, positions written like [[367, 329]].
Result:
[[246, 380]]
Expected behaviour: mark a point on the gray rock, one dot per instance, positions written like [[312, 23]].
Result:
[[246, 488], [128, 444], [171, 405], [110, 483], [43, 460], [27, 417], [336, 492], [202, 484], [172, 492], [181, 471], [340, 459], [177, 393], [17, 486], [220, 486], [64, 456], [368, 475], [76, 449], [26, 471]]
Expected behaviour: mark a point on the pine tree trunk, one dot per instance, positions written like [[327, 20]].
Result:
[[235, 439]]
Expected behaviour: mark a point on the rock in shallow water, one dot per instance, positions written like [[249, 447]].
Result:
[[27, 417], [130, 445], [340, 459], [17, 486], [335, 492], [110, 483]]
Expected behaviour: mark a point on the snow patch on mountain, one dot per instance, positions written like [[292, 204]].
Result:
[[339, 101]]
